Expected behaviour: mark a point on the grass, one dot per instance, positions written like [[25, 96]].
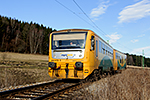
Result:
[[20, 69], [21, 76], [131, 84], [9, 56]]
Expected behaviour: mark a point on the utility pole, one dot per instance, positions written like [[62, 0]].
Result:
[[143, 59]]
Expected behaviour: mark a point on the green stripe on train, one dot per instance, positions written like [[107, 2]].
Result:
[[121, 67], [106, 63]]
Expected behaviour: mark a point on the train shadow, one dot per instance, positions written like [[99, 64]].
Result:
[[71, 80]]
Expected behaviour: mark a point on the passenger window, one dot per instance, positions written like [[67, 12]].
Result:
[[103, 49], [96, 48], [106, 50], [116, 56], [99, 46], [122, 59]]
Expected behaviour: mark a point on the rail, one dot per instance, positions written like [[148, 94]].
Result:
[[36, 92]]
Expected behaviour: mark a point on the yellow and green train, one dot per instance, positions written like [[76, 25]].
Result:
[[76, 53]]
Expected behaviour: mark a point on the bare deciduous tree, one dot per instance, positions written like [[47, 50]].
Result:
[[35, 38]]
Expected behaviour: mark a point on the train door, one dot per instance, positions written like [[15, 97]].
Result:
[[92, 52], [115, 65]]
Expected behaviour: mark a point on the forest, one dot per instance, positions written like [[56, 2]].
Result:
[[136, 60], [32, 38], [23, 37]]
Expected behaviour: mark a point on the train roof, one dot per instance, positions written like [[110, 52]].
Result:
[[82, 30], [85, 30], [120, 52], [72, 30]]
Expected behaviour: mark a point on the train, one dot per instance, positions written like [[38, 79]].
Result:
[[77, 53]]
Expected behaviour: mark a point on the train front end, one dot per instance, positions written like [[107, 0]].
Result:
[[67, 54]]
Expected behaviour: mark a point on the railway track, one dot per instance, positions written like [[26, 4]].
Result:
[[51, 90], [59, 89]]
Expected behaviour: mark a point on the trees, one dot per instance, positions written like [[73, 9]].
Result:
[[137, 60], [35, 39], [6, 33], [17, 36]]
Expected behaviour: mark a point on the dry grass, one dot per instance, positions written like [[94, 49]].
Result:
[[20, 69], [131, 84], [22, 57], [21, 76]]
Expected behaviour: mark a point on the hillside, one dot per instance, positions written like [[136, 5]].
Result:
[[23, 37]]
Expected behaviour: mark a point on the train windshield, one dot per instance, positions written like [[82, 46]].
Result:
[[69, 40]]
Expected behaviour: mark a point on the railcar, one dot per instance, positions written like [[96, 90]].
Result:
[[76, 53], [119, 60]]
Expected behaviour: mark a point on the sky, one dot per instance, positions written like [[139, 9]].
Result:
[[125, 23]]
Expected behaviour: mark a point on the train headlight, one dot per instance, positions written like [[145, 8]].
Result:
[[79, 65], [52, 65]]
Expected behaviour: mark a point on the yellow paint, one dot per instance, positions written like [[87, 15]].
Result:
[[69, 54], [115, 64], [90, 61]]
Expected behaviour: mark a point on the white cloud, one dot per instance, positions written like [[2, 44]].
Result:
[[114, 37], [135, 11], [142, 35], [99, 10], [138, 51], [135, 40]]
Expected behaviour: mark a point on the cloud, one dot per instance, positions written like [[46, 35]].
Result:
[[142, 35], [135, 40], [139, 51], [114, 37], [96, 12], [134, 12]]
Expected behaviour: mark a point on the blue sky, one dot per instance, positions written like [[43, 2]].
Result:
[[125, 23]]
